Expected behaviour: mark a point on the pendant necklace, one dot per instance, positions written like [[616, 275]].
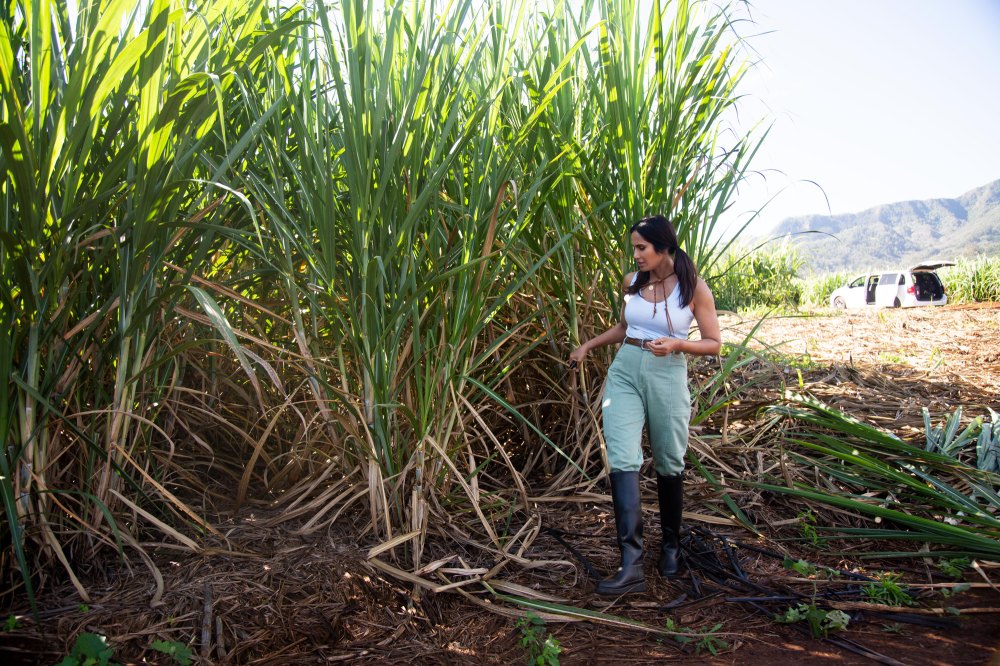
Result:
[[652, 288]]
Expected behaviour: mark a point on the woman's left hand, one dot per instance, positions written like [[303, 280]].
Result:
[[664, 346]]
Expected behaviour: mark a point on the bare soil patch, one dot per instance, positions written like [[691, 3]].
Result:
[[274, 596], [933, 346]]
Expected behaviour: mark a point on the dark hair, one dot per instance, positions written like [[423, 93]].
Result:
[[659, 232]]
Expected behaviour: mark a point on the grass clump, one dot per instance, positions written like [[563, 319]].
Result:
[[887, 591]]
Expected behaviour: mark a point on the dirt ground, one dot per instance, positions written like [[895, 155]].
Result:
[[951, 343], [289, 600], [272, 596]]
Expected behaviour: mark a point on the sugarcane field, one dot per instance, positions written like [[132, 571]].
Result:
[[313, 315]]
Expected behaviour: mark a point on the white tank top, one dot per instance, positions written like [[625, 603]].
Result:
[[643, 325]]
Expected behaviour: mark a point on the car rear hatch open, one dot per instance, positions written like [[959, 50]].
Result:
[[932, 265]]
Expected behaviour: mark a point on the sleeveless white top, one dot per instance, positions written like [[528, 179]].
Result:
[[643, 325]]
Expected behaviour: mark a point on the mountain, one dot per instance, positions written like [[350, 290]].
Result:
[[899, 234]]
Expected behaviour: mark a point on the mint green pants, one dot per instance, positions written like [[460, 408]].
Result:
[[646, 390]]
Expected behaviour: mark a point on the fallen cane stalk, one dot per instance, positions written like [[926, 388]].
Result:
[[860, 605], [833, 581]]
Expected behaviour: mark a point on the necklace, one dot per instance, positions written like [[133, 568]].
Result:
[[652, 284], [652, 288]]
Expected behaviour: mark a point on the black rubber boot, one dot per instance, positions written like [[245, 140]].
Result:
[[670, 490], [628, 523]]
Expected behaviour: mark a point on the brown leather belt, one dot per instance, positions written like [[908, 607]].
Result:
[[637, 342]]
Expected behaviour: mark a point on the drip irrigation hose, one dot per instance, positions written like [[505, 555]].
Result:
[[556, 534]]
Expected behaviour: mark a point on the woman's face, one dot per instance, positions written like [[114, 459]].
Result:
[[645, 255]]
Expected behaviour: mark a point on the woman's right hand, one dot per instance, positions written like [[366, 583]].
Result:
[[577, 355]]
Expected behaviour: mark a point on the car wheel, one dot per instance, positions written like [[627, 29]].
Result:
[[839, 303], [896, 303]]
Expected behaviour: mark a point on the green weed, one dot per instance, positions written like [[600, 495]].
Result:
[[801, 567], [11, 623], [808, 570], [89, 650], [807, 526], [789, 362], [180, 652], [953, 567], [821, 622], [935, 360], [542, 647], [886, 591], [706, 641], [947, 592]]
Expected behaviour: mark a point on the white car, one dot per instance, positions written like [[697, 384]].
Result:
[[918, 285]]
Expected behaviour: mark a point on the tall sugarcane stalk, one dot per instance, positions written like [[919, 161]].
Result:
[[401, 214], [97, 163]]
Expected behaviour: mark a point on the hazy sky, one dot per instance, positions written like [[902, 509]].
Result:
[[875, 100]]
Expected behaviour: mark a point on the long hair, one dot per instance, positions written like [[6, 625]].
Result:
[[659, 232]]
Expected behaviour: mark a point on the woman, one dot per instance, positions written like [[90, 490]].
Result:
[[647, 384]]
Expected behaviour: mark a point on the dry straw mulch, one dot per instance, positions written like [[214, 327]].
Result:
[[274, 596]]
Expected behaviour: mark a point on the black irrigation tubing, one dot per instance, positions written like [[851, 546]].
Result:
[[842, 643], [727, 543], [858, 648], [706, 567], [706, 561], [562, 532], [696, 586], [733, 559], [793, 597], [919, 620], [708, 571], [708, 590], [587, 564], [674, 603], [758, 549]]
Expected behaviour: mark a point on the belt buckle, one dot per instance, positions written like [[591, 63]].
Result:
[[642, 345]]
